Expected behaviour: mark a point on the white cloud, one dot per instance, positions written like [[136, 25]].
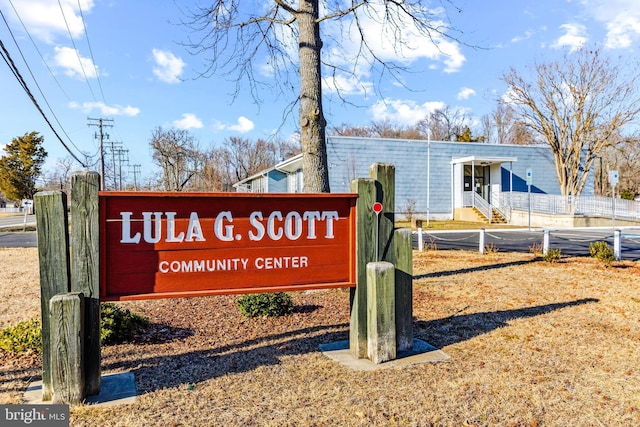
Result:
[[402, 111], [243, 125], [347, 85], [105, 110], [527, 35], [620, 17], [168, 67], [73, 64], [622, 31], [188, 121], [466, 93], [45, 19], [343, 48], [573, 38], [412, 46]]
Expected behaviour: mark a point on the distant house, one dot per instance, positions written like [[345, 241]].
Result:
[[434, 179], [285, 177]]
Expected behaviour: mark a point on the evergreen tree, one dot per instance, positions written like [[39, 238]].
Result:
[[21, 165]]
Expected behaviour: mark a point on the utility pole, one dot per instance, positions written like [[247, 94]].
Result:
[[114, 146], [123, 156], [101, 135], [136, 172]]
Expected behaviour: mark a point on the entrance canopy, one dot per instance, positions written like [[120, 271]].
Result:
[[482, 160]]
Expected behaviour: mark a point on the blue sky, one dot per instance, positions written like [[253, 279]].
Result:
[[136, 71]]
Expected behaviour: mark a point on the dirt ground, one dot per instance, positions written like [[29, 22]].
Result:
[[531, 343]]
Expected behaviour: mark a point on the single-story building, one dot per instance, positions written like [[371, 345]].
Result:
[[434, 179]]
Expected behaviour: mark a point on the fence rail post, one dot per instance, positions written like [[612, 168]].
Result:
[[617, 245], [546, 237]]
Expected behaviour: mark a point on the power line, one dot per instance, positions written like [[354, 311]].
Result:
[[24, 27], [36, 82], [93, 60], [9, 61], [64, 17]]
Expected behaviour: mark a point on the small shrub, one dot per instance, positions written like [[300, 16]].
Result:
[[24, 337], [431, 245], [410, 209], [119, 324], [627, 194], [553, 255], [269, 304], [490, 249], [536, 249], [602, 251]]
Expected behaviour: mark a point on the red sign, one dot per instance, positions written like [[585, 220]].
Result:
[[377, 207], [158, 245]]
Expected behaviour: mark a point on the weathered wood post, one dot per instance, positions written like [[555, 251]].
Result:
[[396, 249], [384, 174], [365, 253], [402, 254], [85, 273], [67, 352], [394, 246], [381, 328], [53, 259]]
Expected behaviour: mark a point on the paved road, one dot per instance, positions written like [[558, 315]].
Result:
[[18, 240], [573, 241], [16, 220]]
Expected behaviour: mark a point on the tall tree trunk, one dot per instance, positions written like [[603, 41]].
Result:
[[312, 122]]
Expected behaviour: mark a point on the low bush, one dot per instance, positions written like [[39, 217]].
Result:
[[536, 249], [269, 305], [602, 251], [24, 337], [117, 325], [490, 249], [553, 255]]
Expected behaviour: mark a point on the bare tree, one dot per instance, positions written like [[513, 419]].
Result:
[[177, 154], [235, 36], [579, 106], [60, 177], [239, 158], [503, 126], [445, 124], [625, 158]]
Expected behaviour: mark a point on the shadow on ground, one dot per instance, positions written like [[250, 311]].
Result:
[[463, 327], [201, 365], [473, 269]]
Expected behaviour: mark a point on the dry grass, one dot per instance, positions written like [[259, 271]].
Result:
[[531, 343]]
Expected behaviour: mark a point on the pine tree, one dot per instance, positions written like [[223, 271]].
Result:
[[21, 166]]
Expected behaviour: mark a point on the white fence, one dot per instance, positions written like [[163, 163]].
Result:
[[12, 210], [594, 206]]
